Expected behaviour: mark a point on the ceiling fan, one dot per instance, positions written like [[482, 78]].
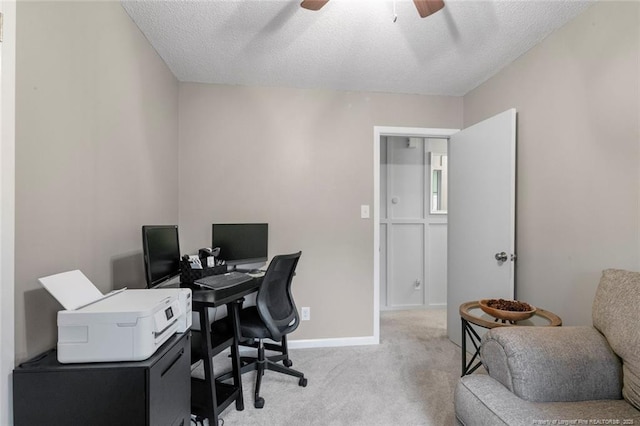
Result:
[[425, 7]]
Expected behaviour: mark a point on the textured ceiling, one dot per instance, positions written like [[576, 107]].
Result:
[[348, 44]]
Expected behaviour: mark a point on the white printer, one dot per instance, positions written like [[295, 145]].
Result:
[[124, 325]]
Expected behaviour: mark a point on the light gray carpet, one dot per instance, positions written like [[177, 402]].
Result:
[[406, 380]]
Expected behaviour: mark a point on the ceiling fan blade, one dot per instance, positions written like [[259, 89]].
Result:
[[427, 7], [313, 4]]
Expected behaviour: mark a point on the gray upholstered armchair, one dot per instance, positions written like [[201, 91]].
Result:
[[562, 375]]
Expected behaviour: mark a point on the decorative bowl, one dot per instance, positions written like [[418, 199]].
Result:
[[511, 314]]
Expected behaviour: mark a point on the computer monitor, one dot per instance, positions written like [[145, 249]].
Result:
[[161, 249], [241, 243]]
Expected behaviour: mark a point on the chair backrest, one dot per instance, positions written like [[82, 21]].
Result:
[[274, 300], [615, 315]]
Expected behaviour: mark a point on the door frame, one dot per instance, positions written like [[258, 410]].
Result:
[[7, 208], [378, 132]]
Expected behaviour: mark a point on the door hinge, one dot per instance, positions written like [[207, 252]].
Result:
[[1, 26]]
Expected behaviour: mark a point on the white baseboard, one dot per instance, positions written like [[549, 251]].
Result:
[[333, 343], [431, 307]]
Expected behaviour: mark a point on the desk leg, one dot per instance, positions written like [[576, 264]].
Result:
[[233, 309], [209, 377]]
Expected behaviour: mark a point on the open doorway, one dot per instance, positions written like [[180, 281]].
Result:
[[413, 223], [409, 219]]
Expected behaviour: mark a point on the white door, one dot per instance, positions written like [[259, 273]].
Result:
[[481, 215]]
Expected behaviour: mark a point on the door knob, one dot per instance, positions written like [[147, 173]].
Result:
[[501, 257]]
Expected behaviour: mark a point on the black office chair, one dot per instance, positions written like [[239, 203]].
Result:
[[274, 316]]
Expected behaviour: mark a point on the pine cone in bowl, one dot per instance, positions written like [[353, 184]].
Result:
[[507, 310]]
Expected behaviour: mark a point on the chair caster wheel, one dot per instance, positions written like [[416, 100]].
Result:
[[259, 403], [302, 382], [287, 363]]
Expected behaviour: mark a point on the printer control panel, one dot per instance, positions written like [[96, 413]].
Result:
[[166, 316]]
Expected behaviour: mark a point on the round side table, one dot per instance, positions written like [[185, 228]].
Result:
[[470, 313]]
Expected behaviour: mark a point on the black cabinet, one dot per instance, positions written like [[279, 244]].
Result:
[[154, 392]]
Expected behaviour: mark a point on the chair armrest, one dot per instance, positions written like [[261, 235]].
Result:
[[543, 364], [480, 400]]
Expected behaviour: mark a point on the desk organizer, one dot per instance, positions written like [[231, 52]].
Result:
[[188, 275]]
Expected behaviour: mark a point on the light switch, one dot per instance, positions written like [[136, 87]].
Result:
[[364, 211]]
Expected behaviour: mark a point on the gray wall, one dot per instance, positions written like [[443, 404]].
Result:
[[577, 99], [301, 160], [96, 153], [97, 141]]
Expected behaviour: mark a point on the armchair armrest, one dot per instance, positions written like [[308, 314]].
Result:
[[544, 364]]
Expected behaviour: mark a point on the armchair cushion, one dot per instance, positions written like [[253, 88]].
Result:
[[616, 315], [542, 364]]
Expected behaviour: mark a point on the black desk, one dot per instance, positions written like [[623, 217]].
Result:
[[210, 397]]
